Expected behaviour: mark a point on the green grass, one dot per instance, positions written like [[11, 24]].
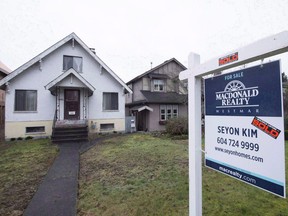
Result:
[[143, 175], [130, 175], [134, 175], [23, 164]]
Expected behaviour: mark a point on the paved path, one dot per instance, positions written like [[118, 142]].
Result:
[[57, 194]]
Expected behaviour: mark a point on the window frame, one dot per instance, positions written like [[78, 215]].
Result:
[[157, 83], [107, 126], [175, 107], [166, 114], [17, 105], [111, 108], [65, 68], [35, 130], [163, 108]]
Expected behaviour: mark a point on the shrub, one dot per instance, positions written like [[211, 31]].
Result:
[[177, 126]]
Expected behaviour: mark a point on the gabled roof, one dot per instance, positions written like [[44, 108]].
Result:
[[155, 68], [51, 85], [38, 58]]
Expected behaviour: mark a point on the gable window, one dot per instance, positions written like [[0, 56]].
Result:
[[168, 112], [25, 100], [72, 62], [110, 101], [158, 85]]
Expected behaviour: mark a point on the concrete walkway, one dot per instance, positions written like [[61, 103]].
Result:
[[57, 194]]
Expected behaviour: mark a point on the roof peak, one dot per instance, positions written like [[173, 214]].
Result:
[[156, 67], [55, 47]]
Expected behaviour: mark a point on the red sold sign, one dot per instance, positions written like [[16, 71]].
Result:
[[228, 59], [265, 127]]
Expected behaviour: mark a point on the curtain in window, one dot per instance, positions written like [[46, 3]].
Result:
[[67, 62], [72, 62], [110, 101], [158, 85], [25, 100], [31, 101], [77, 64]]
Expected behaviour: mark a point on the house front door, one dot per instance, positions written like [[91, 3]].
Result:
[[72, 104], [142, 121]]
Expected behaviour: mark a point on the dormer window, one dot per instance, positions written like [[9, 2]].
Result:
[[158, 85], [72, 62]]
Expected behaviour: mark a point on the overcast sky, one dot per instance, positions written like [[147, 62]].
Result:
[[128, 35]]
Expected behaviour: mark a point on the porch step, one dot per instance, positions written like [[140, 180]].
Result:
[[70, 134]]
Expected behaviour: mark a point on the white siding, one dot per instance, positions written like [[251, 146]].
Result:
[[52, 66]]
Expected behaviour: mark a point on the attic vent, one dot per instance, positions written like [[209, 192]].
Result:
[[93, 50]]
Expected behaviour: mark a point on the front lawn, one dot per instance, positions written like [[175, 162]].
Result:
[[23, 165], [142, 175], [134, 175]]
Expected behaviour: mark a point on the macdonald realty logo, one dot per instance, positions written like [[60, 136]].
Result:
[[237, 95]]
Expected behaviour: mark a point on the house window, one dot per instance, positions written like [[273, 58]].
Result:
[[110, 101], [162, 113], [175, 111], [106, 127], [72, 62], [25, 100], [38, 129], [158, 85], [168, 112]]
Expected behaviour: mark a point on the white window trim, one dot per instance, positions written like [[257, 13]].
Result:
[[109, 110], [81, 68], [25, 111], [157, 82], [166, 107]]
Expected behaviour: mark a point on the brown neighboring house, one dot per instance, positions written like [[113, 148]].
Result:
[[4, 71], [158, 95]]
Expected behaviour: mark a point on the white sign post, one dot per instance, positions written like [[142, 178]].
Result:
[[259, 50]]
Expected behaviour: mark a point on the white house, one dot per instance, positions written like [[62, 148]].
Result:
[[66, 84]]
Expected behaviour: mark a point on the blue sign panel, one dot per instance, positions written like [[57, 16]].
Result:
[[245, 92], [244, 126]]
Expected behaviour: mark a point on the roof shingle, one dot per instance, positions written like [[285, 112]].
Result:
[[164, 97]]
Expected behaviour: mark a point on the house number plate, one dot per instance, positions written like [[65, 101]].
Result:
[[72, 112]]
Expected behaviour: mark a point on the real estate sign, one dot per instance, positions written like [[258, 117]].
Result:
[[244, 127]]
